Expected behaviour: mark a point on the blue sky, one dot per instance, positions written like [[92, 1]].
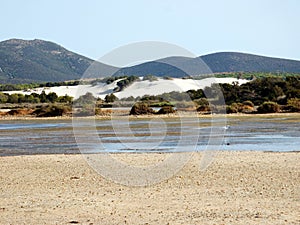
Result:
[[95, 27]]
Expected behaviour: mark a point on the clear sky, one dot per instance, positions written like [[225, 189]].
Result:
[[95, 27]]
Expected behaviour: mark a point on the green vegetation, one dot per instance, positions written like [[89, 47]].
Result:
[[150, 78], [85, 105], [25, 61], [141, 108], [52, 110], [268, 107], [269, 95], [293, 105], [166, 110], [122, 84], [263, 95], [24, 87], [110, 98], [34, 98], [109, 80]]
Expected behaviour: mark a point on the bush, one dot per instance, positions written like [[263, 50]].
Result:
[[3, 97], [141, 108], [248, 103], [268, 107], [110, 98], [150, 78], [294, 104], [233, 108], [245, 107], [86, 99], [52, 110], [161, 104], [203, 105], [166, 110]]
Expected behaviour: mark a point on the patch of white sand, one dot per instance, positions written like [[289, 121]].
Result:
[[138, 88]]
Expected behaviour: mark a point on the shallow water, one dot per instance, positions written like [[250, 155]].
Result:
[[280, 133]]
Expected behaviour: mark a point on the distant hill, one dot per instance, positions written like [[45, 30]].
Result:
[[237, 62], [25, 61], [156, 68], [213, 63]]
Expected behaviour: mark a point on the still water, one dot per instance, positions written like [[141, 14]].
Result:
[[267, 133]]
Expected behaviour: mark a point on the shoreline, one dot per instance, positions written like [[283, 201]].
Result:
[[78, 153], [187, 115], [237, 188]]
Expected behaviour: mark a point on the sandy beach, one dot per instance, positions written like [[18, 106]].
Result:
[[238, 188]]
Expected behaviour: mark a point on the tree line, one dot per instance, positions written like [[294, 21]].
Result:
[[34, 98], [268, 94]]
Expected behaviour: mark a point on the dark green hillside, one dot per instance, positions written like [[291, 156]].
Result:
[[25, 61], [224, 62], [158, 69], [241, 62], [37, 61]]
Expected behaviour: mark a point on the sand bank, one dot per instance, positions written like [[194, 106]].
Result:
[[238, 188]]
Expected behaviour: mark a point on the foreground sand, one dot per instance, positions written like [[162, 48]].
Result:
[[238, 188]]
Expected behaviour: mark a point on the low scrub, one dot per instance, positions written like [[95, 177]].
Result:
[[166, 110], [141, 108], [268, 107], [245, 107], [294, 105], [52, 110]]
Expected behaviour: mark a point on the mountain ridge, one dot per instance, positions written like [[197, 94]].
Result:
[[23, 61], [27, 61]]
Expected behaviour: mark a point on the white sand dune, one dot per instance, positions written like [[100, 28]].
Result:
[[138, 88]]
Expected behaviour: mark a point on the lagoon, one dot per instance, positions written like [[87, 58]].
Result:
[[280, 133]]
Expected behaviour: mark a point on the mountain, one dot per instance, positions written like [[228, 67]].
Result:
[[213, 63], [237, 62], [25, 61], [156, 68]]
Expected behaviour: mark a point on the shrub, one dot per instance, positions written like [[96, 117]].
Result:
[[110, 98], [245, 107], [248, 103], [141, 108], [150, 78], [166, 110], [203, 108], [268, 107], [168, 78], [161, 104], [86, 99], [233, 108], [122, 84], [294, 104], [52, 110]]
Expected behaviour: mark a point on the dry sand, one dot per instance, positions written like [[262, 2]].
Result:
[[140, 88], [238, 188]]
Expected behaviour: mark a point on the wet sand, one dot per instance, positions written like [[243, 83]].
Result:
[[238, 188]]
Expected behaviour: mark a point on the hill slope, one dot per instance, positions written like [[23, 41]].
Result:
[[214, 63], [236, 62], [26, 61], [23, 61]]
